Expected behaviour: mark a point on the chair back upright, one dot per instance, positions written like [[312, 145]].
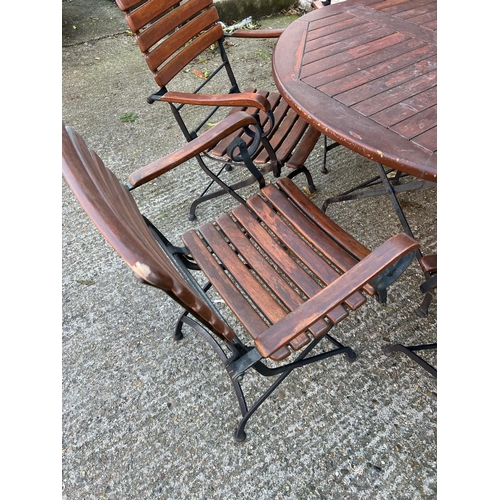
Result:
[[115, 213]]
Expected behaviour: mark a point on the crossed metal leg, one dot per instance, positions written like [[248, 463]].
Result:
[[391, 186], [283, 371]]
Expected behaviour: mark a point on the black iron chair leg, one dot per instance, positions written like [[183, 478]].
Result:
[[178, 335], [239, 433], [410, 352], [323, 169], [327, 147], [305, 171], [283, 371]]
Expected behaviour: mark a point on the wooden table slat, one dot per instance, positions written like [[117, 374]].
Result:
[[381, 100], [364, 58], [401, 8], [339, 21], [381, 77], [412, 13], [374, 90], [406, 108], [330, 46], [417, 124], [427, 140]]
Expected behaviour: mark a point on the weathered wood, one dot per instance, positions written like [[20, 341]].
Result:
[[114, 212], [364, 74], [347, 241], [284, 261], [270, 33]]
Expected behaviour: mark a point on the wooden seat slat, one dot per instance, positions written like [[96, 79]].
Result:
[[271, 309], [240, 307], [283, 260], [256, 292], [266, 272], [298, 130], [351, 244], [300, 248], [331, 249], [307, 143]]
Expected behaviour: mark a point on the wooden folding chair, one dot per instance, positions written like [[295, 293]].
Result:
[[171, 34], [286, 271]]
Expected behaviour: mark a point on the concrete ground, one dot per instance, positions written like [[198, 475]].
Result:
[[146, 417]]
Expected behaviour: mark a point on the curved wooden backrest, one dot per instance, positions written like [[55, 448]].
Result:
[[171, 35], [114, 212]]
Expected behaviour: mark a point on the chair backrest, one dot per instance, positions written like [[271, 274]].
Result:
[[171, 34], [114, 212]]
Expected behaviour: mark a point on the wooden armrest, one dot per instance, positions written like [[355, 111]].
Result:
[[256, 33], [248, 99], [428, 263], [316, 308], [224, 128]]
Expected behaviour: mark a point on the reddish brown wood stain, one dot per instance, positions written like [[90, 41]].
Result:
[[364, 73]]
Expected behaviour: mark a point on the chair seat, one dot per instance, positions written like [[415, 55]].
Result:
[[266, 274], [289, 129]]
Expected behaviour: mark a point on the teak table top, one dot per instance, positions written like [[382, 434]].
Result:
[[364, 73]]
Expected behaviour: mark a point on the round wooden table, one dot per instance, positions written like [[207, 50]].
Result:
[[363, 72]]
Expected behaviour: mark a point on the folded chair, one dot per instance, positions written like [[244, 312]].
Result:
[[286, 271], [171, 34]]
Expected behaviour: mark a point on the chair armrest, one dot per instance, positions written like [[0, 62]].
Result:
[[248, 99], [299, 320], [224, 128], [256, 33]]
